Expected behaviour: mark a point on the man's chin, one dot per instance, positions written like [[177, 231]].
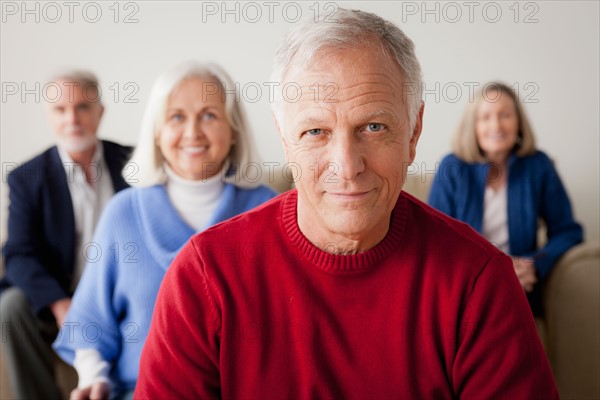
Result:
[[77, 145], [350, 227]]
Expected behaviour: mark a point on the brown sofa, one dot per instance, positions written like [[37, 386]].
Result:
[[572, 322], [570, 331]]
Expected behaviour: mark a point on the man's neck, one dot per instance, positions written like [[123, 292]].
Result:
[[338, 243], [84, 159]]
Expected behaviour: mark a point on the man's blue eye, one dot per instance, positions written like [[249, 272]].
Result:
[[314, 132], [209, 115], [375, 127]]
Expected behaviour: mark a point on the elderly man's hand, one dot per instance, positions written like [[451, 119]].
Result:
[[525, 270], [60, 308], [97, 391]]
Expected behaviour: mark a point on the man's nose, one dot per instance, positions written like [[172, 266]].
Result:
[[71, 116], [347, 158]]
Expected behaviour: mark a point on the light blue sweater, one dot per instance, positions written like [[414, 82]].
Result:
[[137, 237]]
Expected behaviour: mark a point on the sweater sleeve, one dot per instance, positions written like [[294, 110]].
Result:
[[442, 193], [563, 232], [25, 267], [92, 320], [499, 354], [180, 359]]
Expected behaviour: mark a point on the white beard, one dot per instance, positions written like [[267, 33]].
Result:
[[77, 144]]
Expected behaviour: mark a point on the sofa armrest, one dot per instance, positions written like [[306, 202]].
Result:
[[572, 303]]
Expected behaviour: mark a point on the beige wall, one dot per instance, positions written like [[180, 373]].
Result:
[[553, 59]]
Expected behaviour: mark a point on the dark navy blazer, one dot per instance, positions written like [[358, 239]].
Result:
[[39, 254]]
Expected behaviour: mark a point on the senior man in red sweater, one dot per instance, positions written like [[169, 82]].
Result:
[[346, 287]]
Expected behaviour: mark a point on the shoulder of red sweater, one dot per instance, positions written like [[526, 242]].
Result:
[[463, 254], [432, 225]]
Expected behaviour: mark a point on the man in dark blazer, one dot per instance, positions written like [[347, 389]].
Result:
[[55, 201]]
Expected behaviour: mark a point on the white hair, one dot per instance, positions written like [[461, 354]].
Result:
[[148, 158], [85, 78], [349, 29]]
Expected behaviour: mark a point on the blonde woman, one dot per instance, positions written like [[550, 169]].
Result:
[[193, 137], [500, 184]]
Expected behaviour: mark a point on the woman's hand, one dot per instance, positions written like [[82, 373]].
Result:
[[525, 270], [97, 391]]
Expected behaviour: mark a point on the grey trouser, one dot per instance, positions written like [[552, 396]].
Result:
[[27, 353]]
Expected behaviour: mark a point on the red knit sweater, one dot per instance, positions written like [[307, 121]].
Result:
[[251, 309]]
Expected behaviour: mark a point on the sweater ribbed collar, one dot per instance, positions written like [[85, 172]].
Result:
[[335, 263]]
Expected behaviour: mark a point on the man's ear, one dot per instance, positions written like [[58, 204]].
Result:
[[101, 111], [416, 134]]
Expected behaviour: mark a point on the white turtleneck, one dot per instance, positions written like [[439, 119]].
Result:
[[195, 201]]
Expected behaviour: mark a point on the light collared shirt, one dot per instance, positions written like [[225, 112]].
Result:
[[88, 200]]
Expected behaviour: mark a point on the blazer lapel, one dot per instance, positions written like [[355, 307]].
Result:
[[115, 159], [61, 207]]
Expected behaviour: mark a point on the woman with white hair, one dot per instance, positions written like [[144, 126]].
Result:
[[194, 139], [500, 184]]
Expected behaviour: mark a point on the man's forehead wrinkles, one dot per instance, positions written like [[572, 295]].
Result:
[[325, 83], [312, 114], [375, 95], [383, 93], [384, 108]]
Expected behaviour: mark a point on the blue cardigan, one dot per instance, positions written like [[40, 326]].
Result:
[[137, 238], [534, 191]]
